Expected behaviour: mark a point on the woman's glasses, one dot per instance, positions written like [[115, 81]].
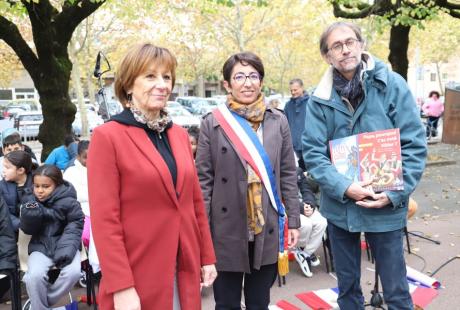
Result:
[[241, 78]]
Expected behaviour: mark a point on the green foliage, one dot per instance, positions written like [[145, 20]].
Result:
[[232, 3], [394, 13]]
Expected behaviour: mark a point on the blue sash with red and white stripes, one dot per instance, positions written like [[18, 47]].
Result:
[[248, 146]]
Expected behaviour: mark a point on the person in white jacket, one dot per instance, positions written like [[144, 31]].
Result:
[[78, 176]]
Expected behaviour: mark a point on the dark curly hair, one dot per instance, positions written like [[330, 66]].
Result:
[[433, 92]]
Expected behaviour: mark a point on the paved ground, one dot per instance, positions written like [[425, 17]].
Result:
[[438, 217]]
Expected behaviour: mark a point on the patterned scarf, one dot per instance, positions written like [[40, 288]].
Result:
[[158, 124], [254, 114], [351, 90]]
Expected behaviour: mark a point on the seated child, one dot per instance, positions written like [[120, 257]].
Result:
[[78, 176], [55, 221], [16, 186], [312, 227], [8, 249]]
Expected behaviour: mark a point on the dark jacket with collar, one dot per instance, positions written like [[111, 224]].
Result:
[[56, 225], [295, 113], [14, 198], [224, 183], [8, 248], [307, 190]]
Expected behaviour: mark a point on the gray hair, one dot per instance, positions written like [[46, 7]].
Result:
[[325, 35], [296, 81]]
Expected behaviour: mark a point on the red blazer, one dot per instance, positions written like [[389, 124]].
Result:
[[145, 230]]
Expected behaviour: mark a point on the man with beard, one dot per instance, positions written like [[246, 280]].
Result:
[[357, 94]]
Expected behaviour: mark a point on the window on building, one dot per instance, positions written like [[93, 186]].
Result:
[[433, 77], [444, 76], [6, 94], [24, 90]]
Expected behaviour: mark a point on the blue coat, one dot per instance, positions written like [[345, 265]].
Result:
[[388, 103], [59, 157], [295, 114]]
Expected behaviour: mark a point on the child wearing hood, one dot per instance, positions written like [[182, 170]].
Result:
[[55, 221]]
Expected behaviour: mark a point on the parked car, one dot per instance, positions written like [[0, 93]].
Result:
[[206, 105], [197, 105], [94, 120], [173, 104], [114, 107], [182, 117], [28, 123], [221, 99], [13, 110]]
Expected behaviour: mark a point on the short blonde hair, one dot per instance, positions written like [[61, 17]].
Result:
[[136, 61]]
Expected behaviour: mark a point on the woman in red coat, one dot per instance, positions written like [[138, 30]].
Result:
[[148, 218]]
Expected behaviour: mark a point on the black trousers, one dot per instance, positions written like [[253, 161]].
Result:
[[4, 286], [228, 285]]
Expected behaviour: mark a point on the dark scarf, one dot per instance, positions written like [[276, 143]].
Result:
[[352, 89], [159, 139]]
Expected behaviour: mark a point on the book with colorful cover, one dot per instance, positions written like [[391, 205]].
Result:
[[372, 155]]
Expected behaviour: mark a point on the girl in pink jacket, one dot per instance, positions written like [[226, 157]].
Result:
[[433, 108]]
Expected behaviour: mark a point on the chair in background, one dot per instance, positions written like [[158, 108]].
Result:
[[15, 287], [23, 255]]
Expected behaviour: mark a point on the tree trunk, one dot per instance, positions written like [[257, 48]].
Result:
[[76, 78], [200, 86], [399, 43], [438, 72], [91, 88], [58, 111]]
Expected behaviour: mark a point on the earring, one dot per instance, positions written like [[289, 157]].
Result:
[[129, 97]]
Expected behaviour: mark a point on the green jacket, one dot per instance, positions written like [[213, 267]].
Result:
[[388, 103]]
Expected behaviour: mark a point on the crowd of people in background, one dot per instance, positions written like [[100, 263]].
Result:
[[164, 212]]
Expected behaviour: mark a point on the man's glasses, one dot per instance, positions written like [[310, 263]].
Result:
[[241, 78], [337, 48]]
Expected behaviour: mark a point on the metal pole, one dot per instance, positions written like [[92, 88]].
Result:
[[104, 99]]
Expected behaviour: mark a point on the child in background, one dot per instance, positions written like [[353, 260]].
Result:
[[312, 226], [78, 176], [16, 186], [193, 133], [63, 155], [11, 141], [55, 221], [8, 248]]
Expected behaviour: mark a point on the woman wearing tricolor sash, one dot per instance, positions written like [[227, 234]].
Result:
[[246, 167]]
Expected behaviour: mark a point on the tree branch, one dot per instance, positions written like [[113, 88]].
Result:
[[455, 14], [342, 12], [448, 5], [40, 15], [72, 15], [10, 34]]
